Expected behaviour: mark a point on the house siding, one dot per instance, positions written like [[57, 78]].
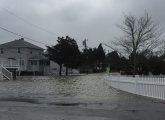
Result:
[[24, 55]]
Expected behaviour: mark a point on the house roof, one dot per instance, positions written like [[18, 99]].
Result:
[[21, 43]]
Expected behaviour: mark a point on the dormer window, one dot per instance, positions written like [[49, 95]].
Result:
[[1, 50], [19, 50]]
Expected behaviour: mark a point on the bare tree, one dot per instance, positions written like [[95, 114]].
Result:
[[161, 50], [140, 34]]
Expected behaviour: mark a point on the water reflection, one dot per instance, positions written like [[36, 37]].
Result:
[[89, 87]]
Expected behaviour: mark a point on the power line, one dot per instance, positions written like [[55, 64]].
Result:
[[4, 29], [112, 48], [30, 23]]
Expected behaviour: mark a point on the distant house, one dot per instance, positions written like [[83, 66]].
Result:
[[25, 57]]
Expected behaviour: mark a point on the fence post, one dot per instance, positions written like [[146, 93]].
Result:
[[1, 75], [118, 82], [136, 81]]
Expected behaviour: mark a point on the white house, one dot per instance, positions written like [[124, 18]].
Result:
[[25, 57]]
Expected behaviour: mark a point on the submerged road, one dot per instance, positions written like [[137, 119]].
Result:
[[86, 97]]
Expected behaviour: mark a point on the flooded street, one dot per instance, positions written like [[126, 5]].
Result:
[[85, 89], [73, 97]]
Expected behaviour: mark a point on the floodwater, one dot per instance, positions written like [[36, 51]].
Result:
[[74, 97], [82, 89]]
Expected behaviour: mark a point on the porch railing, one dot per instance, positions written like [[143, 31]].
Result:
[[5, 73], [9, 63]]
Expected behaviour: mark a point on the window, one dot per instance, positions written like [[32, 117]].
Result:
[[1, 50], [33, 62], [11, 58], [41, 63], [47, 63], [22, 62], [44, 63], [31, 52], [19, 50]]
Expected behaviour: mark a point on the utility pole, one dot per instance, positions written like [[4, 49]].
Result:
[[85, 50], [85, 43]]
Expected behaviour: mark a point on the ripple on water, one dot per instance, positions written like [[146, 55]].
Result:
[[87, 87], [89, 90]]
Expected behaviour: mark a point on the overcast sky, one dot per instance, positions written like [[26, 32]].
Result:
[[80, 19]]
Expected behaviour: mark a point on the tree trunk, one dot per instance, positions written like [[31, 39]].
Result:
[[66, 72], [71, 71], [60, 69], [134, 63]]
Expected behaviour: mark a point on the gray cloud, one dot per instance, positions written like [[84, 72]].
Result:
[[92, 19]]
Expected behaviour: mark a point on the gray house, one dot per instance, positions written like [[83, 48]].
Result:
[[24, 56]]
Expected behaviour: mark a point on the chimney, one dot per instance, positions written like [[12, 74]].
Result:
[[21, 39]]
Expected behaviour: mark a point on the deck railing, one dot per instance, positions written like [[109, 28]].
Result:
[[9, 63], [150, 86], [1, 75]]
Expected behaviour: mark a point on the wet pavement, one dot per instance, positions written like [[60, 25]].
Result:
[[86, 97]]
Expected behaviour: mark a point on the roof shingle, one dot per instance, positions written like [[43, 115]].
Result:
[[21, 43]]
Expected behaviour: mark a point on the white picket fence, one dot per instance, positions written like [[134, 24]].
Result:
[[150, 86]]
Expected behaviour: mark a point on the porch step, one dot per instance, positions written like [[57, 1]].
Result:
[[5, 74]]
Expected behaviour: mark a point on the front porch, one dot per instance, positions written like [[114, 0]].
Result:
[[9, 68], [10, 63]]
